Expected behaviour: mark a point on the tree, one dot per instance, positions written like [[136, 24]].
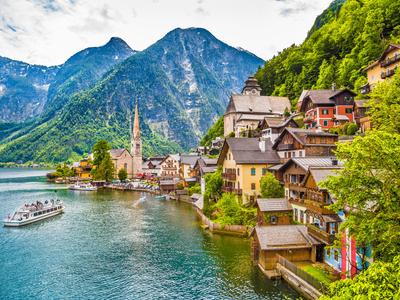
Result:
[[213, 190], [385, 105], [351, 129], [380, 281], [122, 174], [63, 171], [270, 187], [368, 188], [103, 165]]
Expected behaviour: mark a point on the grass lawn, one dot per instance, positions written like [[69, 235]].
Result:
[[318, 272]]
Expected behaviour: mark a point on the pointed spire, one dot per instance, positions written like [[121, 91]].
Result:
[[136, 127]]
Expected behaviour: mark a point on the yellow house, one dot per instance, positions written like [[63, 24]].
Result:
[[244, 161], [382, 68], [82, 169]]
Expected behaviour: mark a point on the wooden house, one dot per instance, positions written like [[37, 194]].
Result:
[[274, 211], [272, 127], [169, 167], [296, 142], [292, 242], [83, 169], [360, 114]]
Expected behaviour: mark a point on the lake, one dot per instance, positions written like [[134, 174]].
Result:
[[110, 245]]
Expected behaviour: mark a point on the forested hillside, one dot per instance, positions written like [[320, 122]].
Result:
[[343, 40]]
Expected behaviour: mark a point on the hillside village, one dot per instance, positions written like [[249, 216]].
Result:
[[264, 135]]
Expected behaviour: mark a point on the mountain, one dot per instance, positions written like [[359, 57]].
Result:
[[343, 40], [28, 90], [23, 89], [182, 84]]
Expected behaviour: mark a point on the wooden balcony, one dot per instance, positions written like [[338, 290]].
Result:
[[320, 235], [391, 60], [228, 189], [388, 73], [317, 207], [295, 187], [286, 147], [297, 201], [229, 176], [308, 119]]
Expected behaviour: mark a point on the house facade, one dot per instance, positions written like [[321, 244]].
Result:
[[274, 211], [245, 110], [169, 167], [327, 108], [272, 127], [296, 142], [383, 68], [244, 161]]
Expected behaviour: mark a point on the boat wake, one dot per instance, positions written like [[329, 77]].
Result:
[[138, 202]]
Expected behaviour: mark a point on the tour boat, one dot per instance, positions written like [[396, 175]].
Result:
[[83, 187], [30, 213], [160, 197]]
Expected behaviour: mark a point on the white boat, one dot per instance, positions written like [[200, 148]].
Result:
[[83, 187], [30, 213]]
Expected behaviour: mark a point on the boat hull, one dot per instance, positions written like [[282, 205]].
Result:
[[83, 189], [32, 220]]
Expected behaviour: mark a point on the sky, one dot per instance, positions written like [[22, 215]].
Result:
[[48, 32]]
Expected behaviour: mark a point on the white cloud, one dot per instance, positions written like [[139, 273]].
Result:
[[49, 31]]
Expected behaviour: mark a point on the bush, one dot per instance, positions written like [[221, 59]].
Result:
[[194, 189], [122, 174], [351, 129], [230, 212], [271, 187]]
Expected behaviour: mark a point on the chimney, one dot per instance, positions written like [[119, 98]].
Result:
[[333, 86], [334, 161], [262, 144]]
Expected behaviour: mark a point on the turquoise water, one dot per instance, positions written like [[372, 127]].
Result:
[[107, 245]]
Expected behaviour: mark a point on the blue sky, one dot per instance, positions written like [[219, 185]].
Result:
[[49, 31]]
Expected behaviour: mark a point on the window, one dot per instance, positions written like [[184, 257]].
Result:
[[273, 219], [295, 214], [229, 156], [293, 178], [301, 216], [300, 153], [334, 111], [253, 171], [253, 186], [264, 171], [325, 123], [336, 255], [251, 199], [325, 111], [349, 110], [328, 252], [289, 155], [238, 172]]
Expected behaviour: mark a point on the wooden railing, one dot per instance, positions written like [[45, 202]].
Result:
[[228, 189], [317, 207], [391, 60], [229, 176], [302, 274], [320, 235]]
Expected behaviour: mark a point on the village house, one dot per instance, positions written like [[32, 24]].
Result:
[[272, 127], [169, 167], [360, 115], [296, 142], [383, 68], [83, 168], [246, 110], [274, 211], [244, 161], [203, 166], [186, 165], [152, 166], [327, 108], [292, 242]]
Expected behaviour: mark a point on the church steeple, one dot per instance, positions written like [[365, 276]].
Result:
[[136, 144]]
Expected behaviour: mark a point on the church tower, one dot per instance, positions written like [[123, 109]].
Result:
[[136, 145]]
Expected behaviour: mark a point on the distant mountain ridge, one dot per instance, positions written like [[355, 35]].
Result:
[[182, 83]]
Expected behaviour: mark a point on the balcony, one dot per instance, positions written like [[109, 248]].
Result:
[[390, 61], [320, 235], [295, 186], [228, 189], [229, 176], [317, 207], [388, 73], [308, 119], [286, 147], [365, 89], [297, 201]]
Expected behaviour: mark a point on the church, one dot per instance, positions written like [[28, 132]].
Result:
[[131, 160]]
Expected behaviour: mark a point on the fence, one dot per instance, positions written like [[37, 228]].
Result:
[[320, 286]]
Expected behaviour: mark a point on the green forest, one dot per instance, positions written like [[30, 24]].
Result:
[[347, 37]]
